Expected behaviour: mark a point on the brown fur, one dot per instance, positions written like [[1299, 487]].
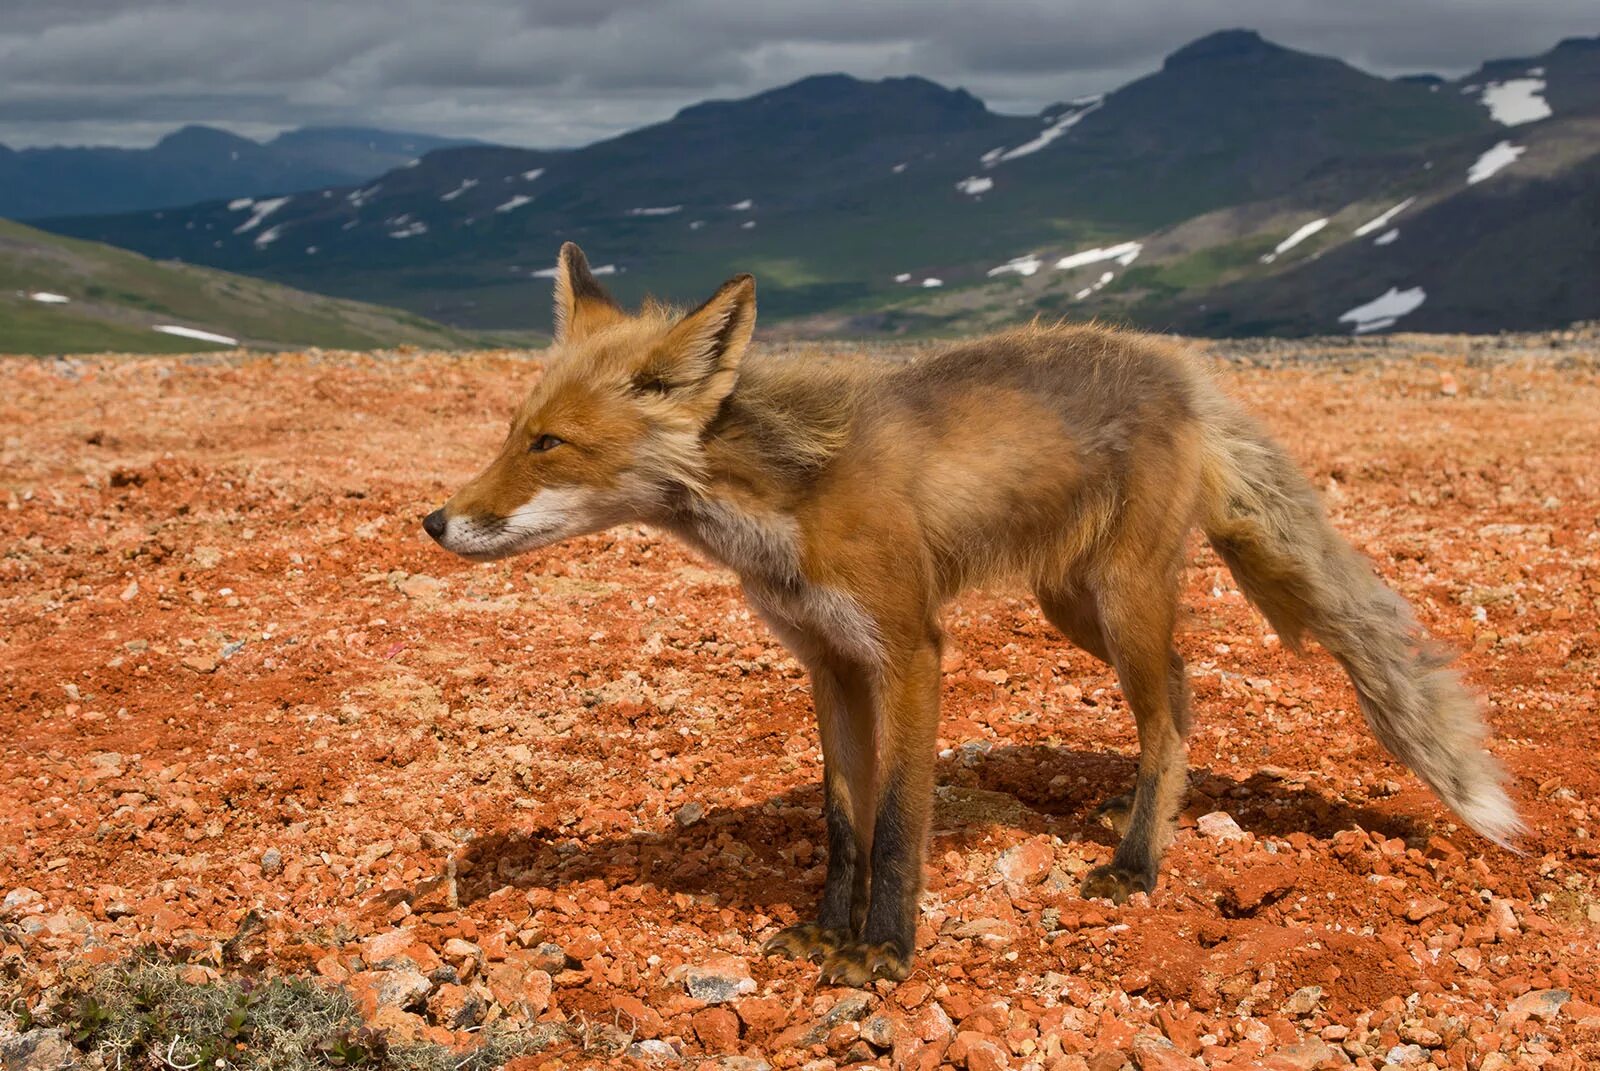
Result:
[[855, 500]]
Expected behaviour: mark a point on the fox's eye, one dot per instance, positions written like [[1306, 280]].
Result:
[[543, 443]]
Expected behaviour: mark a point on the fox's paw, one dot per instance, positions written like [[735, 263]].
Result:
[[1114, 813], [858, 963], [1117, 883], [805, 941]]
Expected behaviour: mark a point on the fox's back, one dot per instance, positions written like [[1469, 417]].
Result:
[[1016, 448]]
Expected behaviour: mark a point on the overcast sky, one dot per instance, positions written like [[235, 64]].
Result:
[[564, 72]]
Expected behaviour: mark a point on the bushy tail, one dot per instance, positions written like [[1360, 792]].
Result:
[[1266, 522]]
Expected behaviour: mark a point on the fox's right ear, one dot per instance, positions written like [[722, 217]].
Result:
[[582, 304]]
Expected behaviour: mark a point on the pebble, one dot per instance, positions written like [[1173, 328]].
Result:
[[719, 980], [1027, 863], [1219, 825]]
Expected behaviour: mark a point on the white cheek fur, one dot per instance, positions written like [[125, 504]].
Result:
[[548, 517]]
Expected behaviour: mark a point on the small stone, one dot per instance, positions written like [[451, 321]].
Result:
[[1542, 1004], [1405, 1055], [386, 946], [271, 862], [719, 980], [388, 989], [1219, 825], [717, 1028], [1303, 1001], [456, 1007], [878, 1031], [1303, 1056], [690, 813], [1256, 887], [652, 1050], [979, 1052], [1027, 863], [202, 663], [1424, 907], [548, 956], [1154, 1053], [848, 1008], [765, 1014], [38, 1050]]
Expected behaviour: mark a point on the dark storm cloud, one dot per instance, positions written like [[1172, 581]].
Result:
[[565, 71]]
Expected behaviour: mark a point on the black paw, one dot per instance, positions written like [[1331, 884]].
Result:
[[857, 963], [805, 941], [1114, 813], [1117, 883]]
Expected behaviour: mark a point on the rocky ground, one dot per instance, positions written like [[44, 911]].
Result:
[[254, 723]]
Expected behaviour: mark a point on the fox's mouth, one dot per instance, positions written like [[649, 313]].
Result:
[[487, 539]]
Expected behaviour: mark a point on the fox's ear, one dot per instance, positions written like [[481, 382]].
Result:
[[582, 304], [698, 362]]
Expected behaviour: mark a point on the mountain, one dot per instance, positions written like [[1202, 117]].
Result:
[[59, 295], [1228, 192], [198, 163]]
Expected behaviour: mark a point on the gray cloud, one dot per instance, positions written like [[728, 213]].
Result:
[[557, 72]]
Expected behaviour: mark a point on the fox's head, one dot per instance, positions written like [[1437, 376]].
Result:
[[613, 430]]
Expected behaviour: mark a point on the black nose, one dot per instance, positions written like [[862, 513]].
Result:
[[434, 523]]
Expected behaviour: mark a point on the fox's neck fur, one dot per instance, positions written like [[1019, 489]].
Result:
[[763, 455]]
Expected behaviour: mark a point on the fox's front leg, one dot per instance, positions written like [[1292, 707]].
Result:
[[908, 719], [844, 719]]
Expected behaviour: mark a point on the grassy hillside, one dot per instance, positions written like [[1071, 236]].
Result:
[[116, 299]]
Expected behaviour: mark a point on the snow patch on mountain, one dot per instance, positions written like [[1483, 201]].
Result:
[[1057, 128], [1493, 160], [47, 298], [1024, 265], [530, 175], [1125, 253], [406, 227], [931, 282], [1301, 234], [192, 332], [1380, 221], [1386, 237], [260, 210], [268, 236], [742, 206], [466, 184], [239, 204], [903, 277], [550, 273], [1384, 310], [973, 185], [1516, 101], [515, 203], [663, 210]]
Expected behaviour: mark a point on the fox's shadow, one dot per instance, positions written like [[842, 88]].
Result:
[[769, 854]]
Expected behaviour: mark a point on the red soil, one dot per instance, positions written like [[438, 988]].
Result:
[[235, 677]]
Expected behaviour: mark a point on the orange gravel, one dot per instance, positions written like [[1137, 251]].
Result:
[[582, 786]]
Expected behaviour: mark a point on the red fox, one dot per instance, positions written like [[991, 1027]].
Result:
[[855, 500]]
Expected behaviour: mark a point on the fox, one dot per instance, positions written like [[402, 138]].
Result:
[[854, 499]]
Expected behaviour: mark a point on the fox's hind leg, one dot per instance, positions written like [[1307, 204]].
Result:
[[1128, 622], [1073, 611], [844, 719]]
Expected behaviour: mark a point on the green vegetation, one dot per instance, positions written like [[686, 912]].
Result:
[[117, 297], [141, 1013]]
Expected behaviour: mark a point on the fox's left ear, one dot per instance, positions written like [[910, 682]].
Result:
[[697, 363], [582, 304]]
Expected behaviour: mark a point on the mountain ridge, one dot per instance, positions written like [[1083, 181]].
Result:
[[900, 204]]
